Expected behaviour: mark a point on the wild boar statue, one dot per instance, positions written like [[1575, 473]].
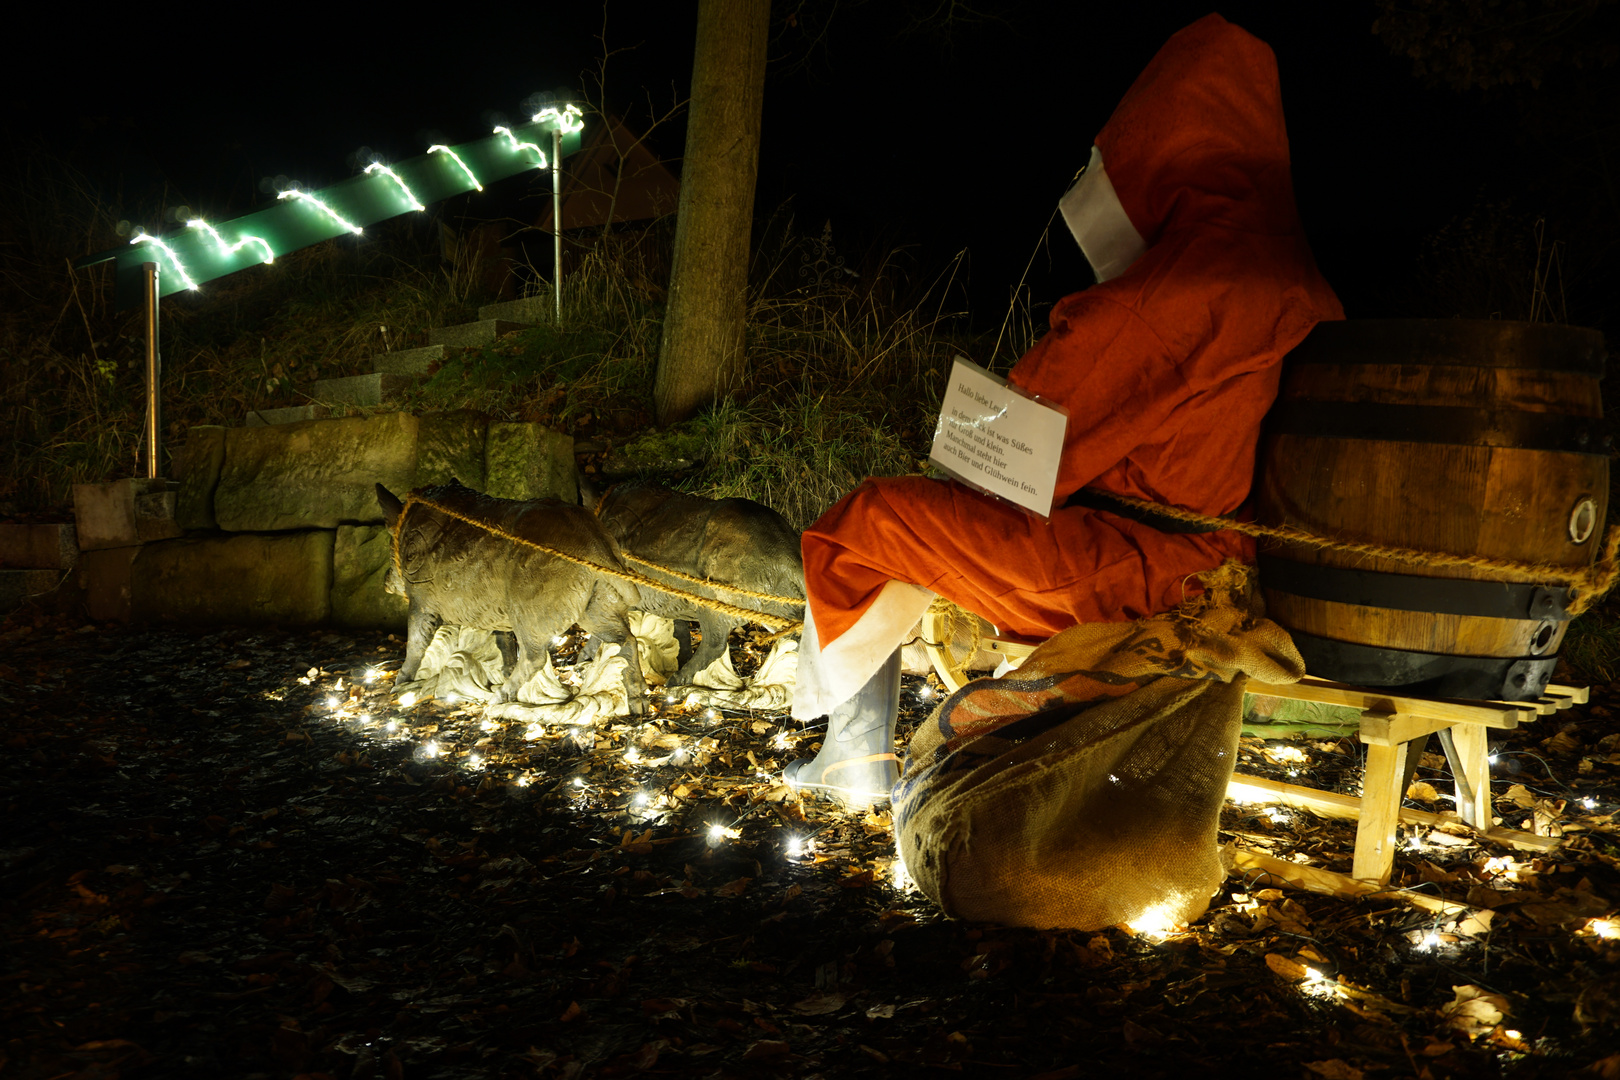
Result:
[[458, 573], [730, 541]]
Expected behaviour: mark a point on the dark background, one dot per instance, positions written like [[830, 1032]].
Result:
[[902, 128]]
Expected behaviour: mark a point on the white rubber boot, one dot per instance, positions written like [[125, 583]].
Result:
[[857, 765]]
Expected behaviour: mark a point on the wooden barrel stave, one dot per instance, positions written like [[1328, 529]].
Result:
[[1442, 436]]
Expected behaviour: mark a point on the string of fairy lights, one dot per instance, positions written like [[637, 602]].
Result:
[[347, 208]]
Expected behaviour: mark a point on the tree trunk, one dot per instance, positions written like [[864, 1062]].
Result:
[[702, 348]]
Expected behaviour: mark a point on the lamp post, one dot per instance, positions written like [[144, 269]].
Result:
[[154, 370], [556, 219]]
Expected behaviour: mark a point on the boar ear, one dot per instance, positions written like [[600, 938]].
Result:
[[391, 506]]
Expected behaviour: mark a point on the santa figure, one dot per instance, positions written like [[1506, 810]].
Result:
[[1166, 367]]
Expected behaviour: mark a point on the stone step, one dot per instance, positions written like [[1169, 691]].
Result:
[[378, 388], [16, 586], [38, 547], [409, 361], [291, 415], [530, 310], [123, 513], [482, 332]]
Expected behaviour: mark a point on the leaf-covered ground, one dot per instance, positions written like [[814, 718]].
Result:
[[227, 854]]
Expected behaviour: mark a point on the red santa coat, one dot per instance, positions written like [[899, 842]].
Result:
[[1166, 371]]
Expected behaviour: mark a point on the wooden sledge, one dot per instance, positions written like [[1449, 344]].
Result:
[[1393, 728]]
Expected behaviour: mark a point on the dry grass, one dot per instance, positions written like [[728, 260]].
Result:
[[841, 382]]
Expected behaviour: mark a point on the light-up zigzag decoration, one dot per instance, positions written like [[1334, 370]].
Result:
[[410, 197], [440, 148], [321, 206], [231, 249], [516, 145], [144, 237], [201, 251], [569, 120]]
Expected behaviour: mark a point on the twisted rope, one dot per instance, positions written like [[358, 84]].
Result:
[[769, 598], [1589, 583], [776, 622]]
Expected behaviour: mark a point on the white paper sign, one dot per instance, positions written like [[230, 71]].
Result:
[[994, 437]]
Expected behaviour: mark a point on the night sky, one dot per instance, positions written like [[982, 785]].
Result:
[[928, 141]]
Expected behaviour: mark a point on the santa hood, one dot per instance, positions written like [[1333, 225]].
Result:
[[1198, 139]]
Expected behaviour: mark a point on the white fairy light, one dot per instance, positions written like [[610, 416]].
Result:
[[899, 876], [525, 780], [711, 715], [779, 741], [407, 699], [1605, 928], [925, 691], [451, 699], [579, 781], [533, 732], [144, 237], [795, 847], [487, 725], [391, 727], [293, 193], [232, 249], [678, 755], [474, 761], [1589, 802], [410, 196], [364, 718], [371, 675], [632, 756], [1154, 923], [332, 703], [512, 141], [1430, 941], [440, 148], [1318, 984], [641, 799], [1491, 759], [717, 833], [430, 749]]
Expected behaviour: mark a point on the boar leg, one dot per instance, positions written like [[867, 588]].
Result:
[[613, 628], [716, 630], [421, 625], [507, 641], [683, 640], [533, 645]]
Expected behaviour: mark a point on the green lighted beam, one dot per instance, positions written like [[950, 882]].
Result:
[[201, 252]]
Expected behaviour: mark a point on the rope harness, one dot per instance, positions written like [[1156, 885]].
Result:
[[1589, 583], [782, 625]]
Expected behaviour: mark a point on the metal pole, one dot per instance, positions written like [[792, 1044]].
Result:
[[154, 369], [556, 219]]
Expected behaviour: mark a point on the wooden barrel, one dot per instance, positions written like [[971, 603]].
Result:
[[1470, 438]]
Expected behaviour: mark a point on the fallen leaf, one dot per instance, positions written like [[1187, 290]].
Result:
[[1292, 970], [819, 1004], [1422, 791], [1474, 1010], [573, 1012], [1334, 1069], [733, 888], [767, 1050]]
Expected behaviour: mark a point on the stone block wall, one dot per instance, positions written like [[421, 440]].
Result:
[[281, 522]]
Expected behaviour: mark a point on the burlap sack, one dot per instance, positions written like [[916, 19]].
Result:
[[1085, 788]]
